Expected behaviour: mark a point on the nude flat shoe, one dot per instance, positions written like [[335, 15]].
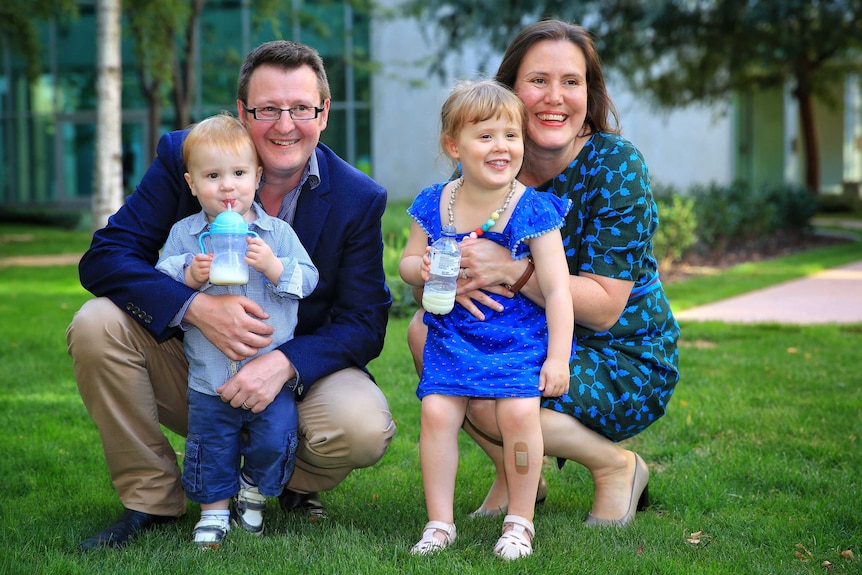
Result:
[[541, 495], [638, 499]]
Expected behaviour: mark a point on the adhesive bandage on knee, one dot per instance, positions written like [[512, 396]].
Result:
[[522, 459]]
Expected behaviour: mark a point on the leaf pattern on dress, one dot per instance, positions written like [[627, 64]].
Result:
[[622, 379]]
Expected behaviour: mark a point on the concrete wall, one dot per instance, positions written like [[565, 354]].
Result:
[[682, 147], [405, 107]]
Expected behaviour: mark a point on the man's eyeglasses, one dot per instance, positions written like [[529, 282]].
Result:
[[273, 114]]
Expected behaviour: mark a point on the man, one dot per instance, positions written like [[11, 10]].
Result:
[[129, 364]]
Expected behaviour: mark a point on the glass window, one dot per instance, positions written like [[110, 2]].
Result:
[[71, 51], [47, 130], [78, 167], [220, 57]]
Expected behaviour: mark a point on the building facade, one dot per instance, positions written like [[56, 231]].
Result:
[[384, 113], [47, 129]]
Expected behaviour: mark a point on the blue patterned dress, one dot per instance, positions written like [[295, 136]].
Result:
[[502, 355], [623, 378]]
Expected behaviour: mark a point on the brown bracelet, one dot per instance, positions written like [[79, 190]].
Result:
[[516, 287]]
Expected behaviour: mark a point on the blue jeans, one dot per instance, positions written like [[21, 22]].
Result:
[[219, 435]]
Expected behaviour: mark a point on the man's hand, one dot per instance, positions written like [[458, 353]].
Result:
[[258, 382], [231, 323]]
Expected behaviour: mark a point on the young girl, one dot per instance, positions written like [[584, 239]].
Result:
[[516, 355]]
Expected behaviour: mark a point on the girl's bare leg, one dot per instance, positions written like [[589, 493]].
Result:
[[438, 451], [522, 452], [611, 466], [498, 494], [417, 331], [481, 425]]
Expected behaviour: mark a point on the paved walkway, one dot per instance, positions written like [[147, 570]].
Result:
[[39, 261], [830, 296]]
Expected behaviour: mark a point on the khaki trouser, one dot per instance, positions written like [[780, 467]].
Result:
[[131, 385]]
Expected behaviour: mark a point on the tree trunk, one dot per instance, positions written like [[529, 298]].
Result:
[[184, 71], [154, 117], [151, 88], [108, 176], [809, 138], [806, 124]]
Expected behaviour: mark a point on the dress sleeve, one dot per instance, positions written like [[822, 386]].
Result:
[[616, 212], [536, 214], [425, 209]]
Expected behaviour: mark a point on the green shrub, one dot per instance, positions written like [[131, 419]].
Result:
[[729, 215], [395, 219], [403, 304], [677, 230], [64, 219], [794, 208], [839, 204]]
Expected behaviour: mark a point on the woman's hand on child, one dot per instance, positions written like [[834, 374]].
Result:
[[469, 299], [487, 262]]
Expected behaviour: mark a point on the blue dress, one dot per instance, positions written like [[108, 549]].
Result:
[[502, 355], [621, 379]]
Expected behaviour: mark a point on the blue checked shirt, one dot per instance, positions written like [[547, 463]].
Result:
[[209, 368]]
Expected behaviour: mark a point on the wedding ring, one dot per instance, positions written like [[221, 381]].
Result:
[[464, 274], [245, 407]]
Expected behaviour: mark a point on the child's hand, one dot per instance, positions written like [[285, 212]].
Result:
[[259, 256], [425, 268], [554, 378], [199, 270]]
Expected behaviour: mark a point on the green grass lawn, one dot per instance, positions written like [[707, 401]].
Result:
[[755, 468]]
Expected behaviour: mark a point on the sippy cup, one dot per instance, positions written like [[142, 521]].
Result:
[[227, 235]]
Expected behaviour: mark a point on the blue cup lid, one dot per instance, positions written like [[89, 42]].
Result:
[[229, 222]]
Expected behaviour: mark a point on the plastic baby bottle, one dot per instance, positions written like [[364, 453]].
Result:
[[227, 235]]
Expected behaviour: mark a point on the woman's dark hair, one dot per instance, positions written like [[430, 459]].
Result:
[[600, 107]]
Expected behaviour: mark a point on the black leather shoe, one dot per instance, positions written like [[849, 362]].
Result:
[[119, 533], [308, 504]]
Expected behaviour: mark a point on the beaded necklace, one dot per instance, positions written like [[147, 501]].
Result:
[[495, 215]]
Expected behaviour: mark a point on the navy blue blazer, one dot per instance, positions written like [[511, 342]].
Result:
[[342, 324]]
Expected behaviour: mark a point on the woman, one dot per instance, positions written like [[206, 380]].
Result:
[[624, 368]]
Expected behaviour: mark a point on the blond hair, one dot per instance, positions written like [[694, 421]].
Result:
[[471, 102], [224, 131]]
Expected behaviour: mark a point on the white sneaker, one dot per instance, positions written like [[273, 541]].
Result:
[[249, 506], [210, 532]]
